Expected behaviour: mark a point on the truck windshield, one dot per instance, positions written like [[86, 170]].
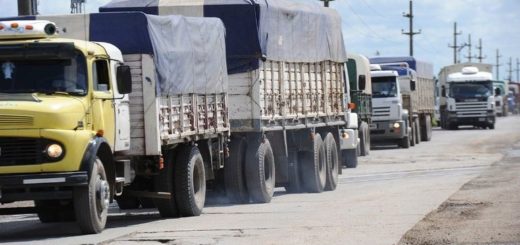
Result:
[[49, 75], [464, 90], [383, 87]]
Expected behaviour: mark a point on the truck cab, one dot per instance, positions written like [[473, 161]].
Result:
[[469, 99], [63, 114], [389, 119]]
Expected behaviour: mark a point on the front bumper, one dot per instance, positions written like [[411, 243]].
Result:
[[476, 121], [384, 130], [48, 186]]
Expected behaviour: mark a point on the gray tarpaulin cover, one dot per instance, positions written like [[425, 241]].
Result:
[[189, 54], [282, 30]]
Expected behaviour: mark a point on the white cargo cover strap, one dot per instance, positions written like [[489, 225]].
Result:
[[191, 62]]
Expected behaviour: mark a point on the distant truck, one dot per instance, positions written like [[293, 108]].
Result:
[[360, 83], [287, 98], [402, 100], [467, 96], [125, 109], [501, 91], [514, 97]]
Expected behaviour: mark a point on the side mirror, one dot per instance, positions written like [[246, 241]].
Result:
[[412, 85], [362, 82], [124, 79], [498, 92], [443, 91]]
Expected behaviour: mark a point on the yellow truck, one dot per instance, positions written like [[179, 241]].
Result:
[[104, 114]]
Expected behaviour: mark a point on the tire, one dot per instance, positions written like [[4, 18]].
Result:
[[190, 181], [294, 184], [427, 129], [332, 158], [127, 202], [260, 171], [349, 158], [417, 132], [314, 167], [405, 142], [164, 183], [52, 211], [491, 126], [91, 202], [234, 169], [364, 136], [411, 135]]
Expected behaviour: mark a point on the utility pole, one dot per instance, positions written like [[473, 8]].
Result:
[[498, 65], [27, 7], [469, 49], [479, 47], [326, 2], [517, 70], [455, 47], [410, 33], [77, 6], [510, 71]]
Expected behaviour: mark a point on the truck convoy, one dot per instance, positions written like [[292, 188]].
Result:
[[133, 107], [467, 96], [402, 99], [358, 67]]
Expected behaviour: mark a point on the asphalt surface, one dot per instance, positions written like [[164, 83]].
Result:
[[390, 192]]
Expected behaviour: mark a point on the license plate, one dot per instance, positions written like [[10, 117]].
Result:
[[373, 126], [481, 119]]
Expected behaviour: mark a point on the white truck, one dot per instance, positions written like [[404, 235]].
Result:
[[467, 96], [403, 100], [287, 96], [501, 89], [118, 106]]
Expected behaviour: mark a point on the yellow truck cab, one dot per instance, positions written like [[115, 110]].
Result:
[[59, 103]]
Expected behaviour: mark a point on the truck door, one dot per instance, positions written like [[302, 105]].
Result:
[[102, 105], [122, 111]]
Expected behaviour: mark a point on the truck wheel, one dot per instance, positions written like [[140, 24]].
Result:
[[146, 202], [51, 211], [260, 171], [364, 138], [427, 129], [314, 166], [411, 135], [417, 131], [190, 181], [332, 159], [405, 142], [91, 202], [294, 185], [163, 182], [349, 158], [236, 189], [491, 126], [127, 202]]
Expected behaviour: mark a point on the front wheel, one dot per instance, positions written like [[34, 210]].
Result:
[[91, 202]]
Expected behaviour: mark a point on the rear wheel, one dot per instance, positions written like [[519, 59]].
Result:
[[294, 184], [314, 166], [405, 142], [332, 158], [260, 171], [491, 126], [190, 181], [411, 135], [417, 132], [234, 177], [364, 137], [91, 202], [427, 128], [349, 158]]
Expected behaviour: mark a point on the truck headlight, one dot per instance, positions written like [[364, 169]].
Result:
[[397, 125], [54, 151]]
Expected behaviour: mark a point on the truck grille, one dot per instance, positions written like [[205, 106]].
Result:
[[22, 151], [11, 120], [383, 111], [471, 109]]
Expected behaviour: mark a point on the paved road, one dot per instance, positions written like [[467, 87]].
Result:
[[377, 203]]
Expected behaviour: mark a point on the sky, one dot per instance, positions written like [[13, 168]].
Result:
[[373, 27]]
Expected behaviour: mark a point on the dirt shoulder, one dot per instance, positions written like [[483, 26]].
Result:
[[485, 210]]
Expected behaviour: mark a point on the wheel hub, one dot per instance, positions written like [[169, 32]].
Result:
[[102, 194]]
